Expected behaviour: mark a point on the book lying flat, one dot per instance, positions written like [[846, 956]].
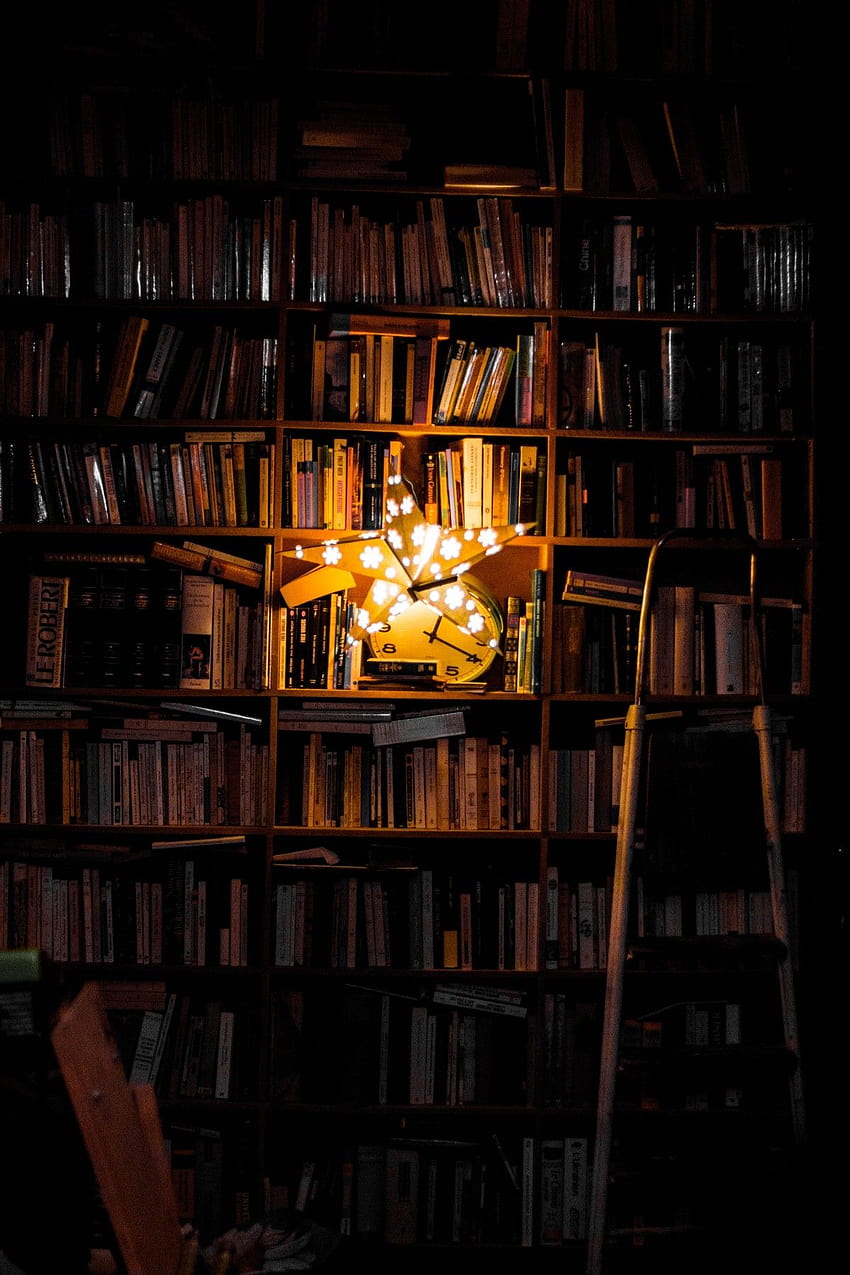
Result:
[[192, 843], [422, 726], [310, 854], [462, 999], [389, 325], [489, 176], [375, 666], [326, 725], [612, 591]]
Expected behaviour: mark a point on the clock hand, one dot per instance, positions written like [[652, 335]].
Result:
[[433, 636]]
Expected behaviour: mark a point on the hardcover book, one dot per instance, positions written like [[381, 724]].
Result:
[[48, 601]]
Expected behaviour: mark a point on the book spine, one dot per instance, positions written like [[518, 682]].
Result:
[[224, 1055], [538, 615], [672, 379], [48, 601], [141, 1068], [197, 632]]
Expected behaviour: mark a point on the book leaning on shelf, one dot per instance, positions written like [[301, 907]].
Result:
[[210, 561]]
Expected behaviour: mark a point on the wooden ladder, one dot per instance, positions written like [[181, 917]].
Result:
[[635, 722], [120, 1127]]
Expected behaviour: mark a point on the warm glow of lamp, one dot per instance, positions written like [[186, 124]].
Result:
[[409, 560]]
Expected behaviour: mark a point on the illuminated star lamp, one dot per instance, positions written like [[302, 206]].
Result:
[[409, 560]]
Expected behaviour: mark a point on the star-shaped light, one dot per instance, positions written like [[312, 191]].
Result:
[[409, 560]]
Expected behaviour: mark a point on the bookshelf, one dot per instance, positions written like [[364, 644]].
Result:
[[233, 303]]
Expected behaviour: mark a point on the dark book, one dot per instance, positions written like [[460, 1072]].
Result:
[[637, 155], [373, 483], [148, 386], [686, 145], [528, 480], [122, 370], [672, 379], [395, 668], [514, 608], [83, 627], [538, 619]]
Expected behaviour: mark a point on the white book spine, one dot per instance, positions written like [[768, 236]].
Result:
[[142, 1065]]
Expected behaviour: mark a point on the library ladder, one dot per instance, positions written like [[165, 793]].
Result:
[[617, 945]]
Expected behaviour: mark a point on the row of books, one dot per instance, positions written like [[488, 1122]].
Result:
[[104, 133], [622, 263], [688, 1024], [204, 251], [594, 649], [478, 483], [690, 381], [667, 144], [224, 636], [523, 639], [674, 37], [184, 1046], [489, 256], [471, 783], [350, 920], [647, 1086], [398, 379], [687, 381], [399, 1048], [138, 783], [155, 375], [126, 624], [138, 369], [417, 918], [682, 40], [51, 775], [314, 650], [473, 482], [584, 786], [431, 1190], [475, 382], [100, 913], [704, 912], [200, 481], [575, 934], [35, 252], [569, 1029], [337, 483], [373, 376], [708, 487]]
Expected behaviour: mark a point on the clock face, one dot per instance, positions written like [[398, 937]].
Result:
[[423, 633]]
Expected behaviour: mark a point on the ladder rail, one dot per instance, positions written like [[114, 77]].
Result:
[[621, 888]]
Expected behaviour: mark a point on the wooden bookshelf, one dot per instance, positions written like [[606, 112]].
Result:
[[232, 312]]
